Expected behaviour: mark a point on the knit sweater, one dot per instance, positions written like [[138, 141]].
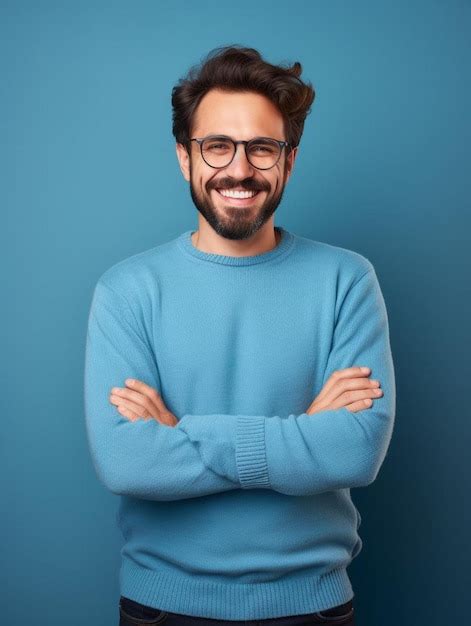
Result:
[[242, 510]]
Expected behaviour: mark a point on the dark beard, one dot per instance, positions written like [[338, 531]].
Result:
[[238, 223]]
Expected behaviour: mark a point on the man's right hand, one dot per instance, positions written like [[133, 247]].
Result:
[[350, 388]]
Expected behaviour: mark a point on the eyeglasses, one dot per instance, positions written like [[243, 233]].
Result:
[[219, 150]]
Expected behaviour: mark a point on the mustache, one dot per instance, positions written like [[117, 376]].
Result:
[[247, 185]]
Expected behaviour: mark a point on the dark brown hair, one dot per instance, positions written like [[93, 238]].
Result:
[[236, 68]]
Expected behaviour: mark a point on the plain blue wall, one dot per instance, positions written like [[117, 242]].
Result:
[[90, 177]]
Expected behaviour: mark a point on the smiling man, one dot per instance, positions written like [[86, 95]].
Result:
[[228, 395], [236, 191]]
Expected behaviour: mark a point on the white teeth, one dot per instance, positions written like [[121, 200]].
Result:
[[232, 193]]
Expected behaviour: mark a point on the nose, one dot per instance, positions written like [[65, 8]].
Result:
[[240, 167]]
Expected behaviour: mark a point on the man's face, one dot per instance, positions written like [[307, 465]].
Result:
[[240, 116]]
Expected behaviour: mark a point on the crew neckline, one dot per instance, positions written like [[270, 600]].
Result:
[[285, 244]]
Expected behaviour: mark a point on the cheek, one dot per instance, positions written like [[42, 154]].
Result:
[[199, 183], [203, 183], [275, 183], [277, 180]]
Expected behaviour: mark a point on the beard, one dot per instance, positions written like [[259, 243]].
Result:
[[236, 222]]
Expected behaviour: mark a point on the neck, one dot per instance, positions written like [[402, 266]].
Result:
[[214, 243]]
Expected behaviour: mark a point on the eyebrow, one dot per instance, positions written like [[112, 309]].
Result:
[[229, 137]]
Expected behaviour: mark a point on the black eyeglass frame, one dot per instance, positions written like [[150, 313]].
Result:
[[200, 140]]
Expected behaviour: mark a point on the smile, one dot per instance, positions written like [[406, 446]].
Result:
[[238, 197]]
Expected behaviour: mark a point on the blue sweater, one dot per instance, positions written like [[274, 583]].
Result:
[[243, 509]]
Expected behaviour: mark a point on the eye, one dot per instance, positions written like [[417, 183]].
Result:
[[264, 148], [217, 144]]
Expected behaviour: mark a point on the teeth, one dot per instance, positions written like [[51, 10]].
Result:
[[232, 193]]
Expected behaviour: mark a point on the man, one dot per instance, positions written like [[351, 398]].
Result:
[[227, 379]]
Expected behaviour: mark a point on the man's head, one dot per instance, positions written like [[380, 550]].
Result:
[[237, 94]]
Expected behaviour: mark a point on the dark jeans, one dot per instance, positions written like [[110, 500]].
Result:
[[133, 614]]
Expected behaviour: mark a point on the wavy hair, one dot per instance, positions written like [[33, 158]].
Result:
[[237, 68]]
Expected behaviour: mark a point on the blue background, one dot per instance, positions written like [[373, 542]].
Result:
[[90, 177]]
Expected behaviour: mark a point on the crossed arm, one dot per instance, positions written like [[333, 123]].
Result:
[[204, 454], [348, 388]]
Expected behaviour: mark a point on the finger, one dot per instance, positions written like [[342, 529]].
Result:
[[348, 397], [128, 414], [361, 394], [146, 390], [351, 384], [357, 405], [168, 418], [138, 398], [131, 406], [360, 405], [163, 418], [337, 375]]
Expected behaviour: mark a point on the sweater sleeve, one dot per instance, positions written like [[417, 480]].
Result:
[[144, 458], [334, 449]]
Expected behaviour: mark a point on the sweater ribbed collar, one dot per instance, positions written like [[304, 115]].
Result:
[[284, 245]]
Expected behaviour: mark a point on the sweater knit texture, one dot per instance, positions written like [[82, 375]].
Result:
[[242, 511]]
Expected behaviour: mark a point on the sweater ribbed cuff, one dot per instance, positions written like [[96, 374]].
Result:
[[250, 452]]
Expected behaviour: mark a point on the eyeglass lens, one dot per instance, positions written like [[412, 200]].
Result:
[[219, 151]]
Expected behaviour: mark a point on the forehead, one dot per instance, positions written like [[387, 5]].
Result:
[[241, 115]]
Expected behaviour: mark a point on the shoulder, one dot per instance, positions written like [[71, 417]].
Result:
[[335, 263], [134, 266], [134, 283], [140, 273]]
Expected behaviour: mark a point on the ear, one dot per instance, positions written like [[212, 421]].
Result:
[[184, 160], [290, 162]]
